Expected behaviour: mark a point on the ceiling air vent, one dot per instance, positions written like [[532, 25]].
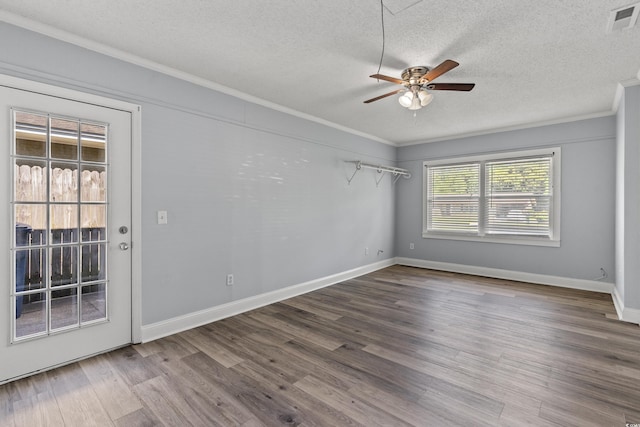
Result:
[[623, 18]]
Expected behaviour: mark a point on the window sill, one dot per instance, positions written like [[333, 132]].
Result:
[[533, 241]]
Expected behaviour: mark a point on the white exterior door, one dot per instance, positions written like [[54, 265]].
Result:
[[65, 263]]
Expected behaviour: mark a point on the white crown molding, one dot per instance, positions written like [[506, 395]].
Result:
[[617, 98], [512, 128], [202, 317], [620, 91], [65, 36]]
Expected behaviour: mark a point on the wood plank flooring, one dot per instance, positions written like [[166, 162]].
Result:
[[401, 346]]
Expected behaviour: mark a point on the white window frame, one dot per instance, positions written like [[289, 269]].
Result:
[[553, 240]]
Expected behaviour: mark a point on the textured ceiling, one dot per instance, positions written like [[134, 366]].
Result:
[[532, 61]]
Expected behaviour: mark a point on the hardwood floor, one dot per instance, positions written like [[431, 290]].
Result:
[[401, 346]]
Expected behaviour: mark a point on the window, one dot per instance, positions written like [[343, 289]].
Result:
[[510, 198]]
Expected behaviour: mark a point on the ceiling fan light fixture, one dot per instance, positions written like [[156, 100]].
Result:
[[425, 97], [406, 99], [415, 104]]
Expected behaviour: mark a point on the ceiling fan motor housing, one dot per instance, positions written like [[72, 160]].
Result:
[[412, 75]]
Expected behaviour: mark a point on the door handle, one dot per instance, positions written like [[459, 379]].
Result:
[[123, 246]]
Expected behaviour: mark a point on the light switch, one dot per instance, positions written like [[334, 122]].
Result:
[[162, 217]]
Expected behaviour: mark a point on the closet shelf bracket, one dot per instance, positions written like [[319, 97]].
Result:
[[382, 170]]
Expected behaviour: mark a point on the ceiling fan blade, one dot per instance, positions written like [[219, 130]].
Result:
[[447, 65], [451, 86], [387, 78], [382, 96]]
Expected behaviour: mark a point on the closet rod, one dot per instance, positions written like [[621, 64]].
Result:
[[381, 168], [397, 172]]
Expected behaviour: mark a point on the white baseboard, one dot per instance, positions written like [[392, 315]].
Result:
[[625, 314], [541, 279], [617, 302], [199, 318], [188, 321], [631, 315]]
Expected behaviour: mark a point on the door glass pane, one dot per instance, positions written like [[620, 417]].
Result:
[[29, 270], [93, 216], [64, 182], [93, 184], [94, 302], [35, 262], [64, 308], [31, 222], [94, 234], [22, 270], [23, 234], [31, 134], [93, 142], [64, 139], [93, 262], [31, 181], [64, 223], [64, 265], [31, 318]]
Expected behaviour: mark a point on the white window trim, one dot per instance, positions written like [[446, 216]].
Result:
[[553, 241]]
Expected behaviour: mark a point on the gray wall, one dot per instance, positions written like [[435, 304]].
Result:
[[588, 202], [628, 198], [248, 190], [264, 195], [273, 210]]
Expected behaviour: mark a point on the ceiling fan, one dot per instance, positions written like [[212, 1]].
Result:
[[416, 82]]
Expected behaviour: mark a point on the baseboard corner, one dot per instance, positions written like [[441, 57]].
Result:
[[541, 279], [187, 321]]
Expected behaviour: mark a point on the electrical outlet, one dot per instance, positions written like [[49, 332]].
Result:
[[229, 279], [162, 217], [411, 246], [366, 251]]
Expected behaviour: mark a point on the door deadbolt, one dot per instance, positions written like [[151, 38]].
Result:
[[123, 230]]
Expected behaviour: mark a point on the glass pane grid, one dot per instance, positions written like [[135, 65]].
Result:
[[31, 318], [94, 303], [453, 198], [515, 194], [64, 308], [519, 197], [61, 252]]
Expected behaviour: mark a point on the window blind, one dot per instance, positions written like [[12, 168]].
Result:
[[518, 196], [505, 197], [453, 198]]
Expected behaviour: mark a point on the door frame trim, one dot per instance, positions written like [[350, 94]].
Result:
[[136, 177]]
